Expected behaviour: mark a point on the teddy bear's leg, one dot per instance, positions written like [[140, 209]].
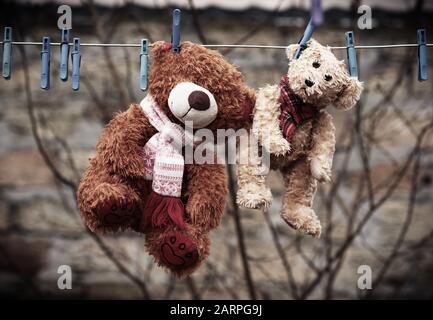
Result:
[[206, 191], [180, 251], [300, 188], [183, 250], [106, 203], [252, 192]]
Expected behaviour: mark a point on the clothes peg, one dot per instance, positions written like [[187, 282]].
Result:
[[351, 54], [422, 55], [144, 60], [175, 35], [307, 36], [45, 63], [64, 55], [76, 63], [316, 12], [7, 53]]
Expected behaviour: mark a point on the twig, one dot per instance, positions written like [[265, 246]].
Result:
[[398, 176], [196, 22], [192, 288], [33, 123], [285, 262], [255, 29], [240, 236], [222, 280], [100, 33], [364, 156], [59, 176], [406, 224]]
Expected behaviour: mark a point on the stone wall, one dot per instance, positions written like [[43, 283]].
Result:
[[40, 228]]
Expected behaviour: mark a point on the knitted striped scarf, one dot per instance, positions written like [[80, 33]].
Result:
[[164, 166], [294, 112]]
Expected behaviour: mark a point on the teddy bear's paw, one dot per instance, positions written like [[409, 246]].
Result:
[[114, 208], [319, 171], [279, 147], [178, 251], [303, 219], [254, 197]]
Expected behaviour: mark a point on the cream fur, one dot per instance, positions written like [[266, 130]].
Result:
[[253, 192], [266, 123], [342, 91], [308, 158]]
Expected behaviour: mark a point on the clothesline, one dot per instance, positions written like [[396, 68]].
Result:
[[316, 19], [245, 46]]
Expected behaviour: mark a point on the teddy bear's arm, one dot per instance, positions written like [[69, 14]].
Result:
[[322, 147], [206, 190], [266, 125], [121, 144], [252, 172]]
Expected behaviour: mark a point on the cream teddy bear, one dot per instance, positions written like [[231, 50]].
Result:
[[292, 125]]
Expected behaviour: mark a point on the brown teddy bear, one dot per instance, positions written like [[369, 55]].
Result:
[[139, 180], [292, 125]]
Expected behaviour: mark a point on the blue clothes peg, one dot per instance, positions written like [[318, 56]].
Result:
[[422, 55], [351, 54], [7, 53], [64, 55], [144, 61], [45, 63], [175, 34], [76, 63], [316, 12], [307, 36]]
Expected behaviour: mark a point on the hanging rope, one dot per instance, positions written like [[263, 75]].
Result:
[[216, 46]]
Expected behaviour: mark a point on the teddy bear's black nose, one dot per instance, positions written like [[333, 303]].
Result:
[[309, 83], [199, 100]]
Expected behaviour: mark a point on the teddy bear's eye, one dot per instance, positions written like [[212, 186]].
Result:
[[328, 77], [316, 64]]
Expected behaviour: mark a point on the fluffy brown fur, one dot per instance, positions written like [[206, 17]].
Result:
[[113, 188], [308, 157]]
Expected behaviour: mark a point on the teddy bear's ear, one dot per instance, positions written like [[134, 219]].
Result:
[[349, 95], [290, 51]]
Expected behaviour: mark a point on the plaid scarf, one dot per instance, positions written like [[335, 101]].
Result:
[[294, 112]]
